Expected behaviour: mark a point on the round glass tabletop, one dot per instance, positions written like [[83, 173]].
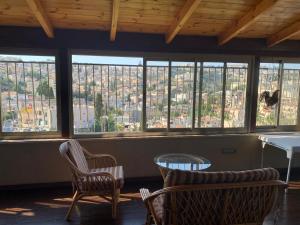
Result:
[[182, 161]]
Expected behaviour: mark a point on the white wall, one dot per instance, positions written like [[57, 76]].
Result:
[[40, 161]]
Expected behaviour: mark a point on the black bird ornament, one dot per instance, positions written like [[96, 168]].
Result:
[[269, 100]]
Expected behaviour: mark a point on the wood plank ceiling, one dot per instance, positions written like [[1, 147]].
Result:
[[275, 20]]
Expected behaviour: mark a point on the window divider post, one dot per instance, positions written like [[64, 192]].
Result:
[[253, 94], [223, 94], [169, 96], [144, 117], [280, 74], [194, 95]]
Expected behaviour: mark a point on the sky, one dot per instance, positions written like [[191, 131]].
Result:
[[276, 65], [107, 60], [30, 58], [131, 61]]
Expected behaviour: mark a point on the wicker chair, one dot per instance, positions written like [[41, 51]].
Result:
[[101, 176], [215, 198]]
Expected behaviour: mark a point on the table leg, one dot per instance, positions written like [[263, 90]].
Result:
[[262, 155], [289, 170]]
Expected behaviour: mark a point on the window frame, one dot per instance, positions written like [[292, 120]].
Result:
[[42, 134], [277, 127], [144, 119], [84, 52], [198, 59], [250, 105], [152, 56], [231, 59]]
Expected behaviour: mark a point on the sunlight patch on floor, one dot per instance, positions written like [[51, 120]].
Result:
[[52, 205], [17, 211]]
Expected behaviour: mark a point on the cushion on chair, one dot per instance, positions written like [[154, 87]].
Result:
[[117, 172]]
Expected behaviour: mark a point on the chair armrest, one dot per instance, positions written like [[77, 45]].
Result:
[[92, 156], [102, 160], [154, 205], [145, 193]]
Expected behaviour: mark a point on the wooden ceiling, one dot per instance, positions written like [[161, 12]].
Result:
[[275, 20]]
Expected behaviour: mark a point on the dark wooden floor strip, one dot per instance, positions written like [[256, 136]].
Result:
[[48, 207]]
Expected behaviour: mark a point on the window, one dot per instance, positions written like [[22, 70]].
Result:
[[172, 92], [289, 94], [221, 95], [283, 79], [268, 81], [215, 90], [210, 76], [28, 94], [182, 82], [120, 95], [206, 94], [235, 95], [157, 94], [107, 94]]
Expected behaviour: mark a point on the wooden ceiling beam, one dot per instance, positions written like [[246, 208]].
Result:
[[184, 14], [245, 21], [114, 19], [41, 16], [284, 34]]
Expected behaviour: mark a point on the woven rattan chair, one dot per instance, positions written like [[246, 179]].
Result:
[[225, 198], [92, 174]]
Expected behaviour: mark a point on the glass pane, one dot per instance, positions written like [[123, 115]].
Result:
[[268, 84], [235, 100], [211, 94], [28, 93], [182, 80], [107, 97], [157, 94], [289, 94]]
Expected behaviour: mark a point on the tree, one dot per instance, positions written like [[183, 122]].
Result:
[[111, 123], [36, 75], [99, 112], [128, 98], [9, 115], [99, 107], [44, 89], [160, 107], [6, 84], [77, 95], [21, 87], [113, 85]]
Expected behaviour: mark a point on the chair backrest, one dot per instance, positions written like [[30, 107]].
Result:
[[178, 177], [72, 150], [219, 198]]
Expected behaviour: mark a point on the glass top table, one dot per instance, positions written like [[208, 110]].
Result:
[[181, 161]]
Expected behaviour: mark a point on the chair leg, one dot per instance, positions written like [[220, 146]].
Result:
[[76, 197], [149, 220], [115, 200]]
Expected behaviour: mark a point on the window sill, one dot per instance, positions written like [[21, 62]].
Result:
[[143, 136], [33, 140], [140, 137], [156, 135]]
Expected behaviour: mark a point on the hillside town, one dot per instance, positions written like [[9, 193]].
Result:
[[28, 96], [109, 98]]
